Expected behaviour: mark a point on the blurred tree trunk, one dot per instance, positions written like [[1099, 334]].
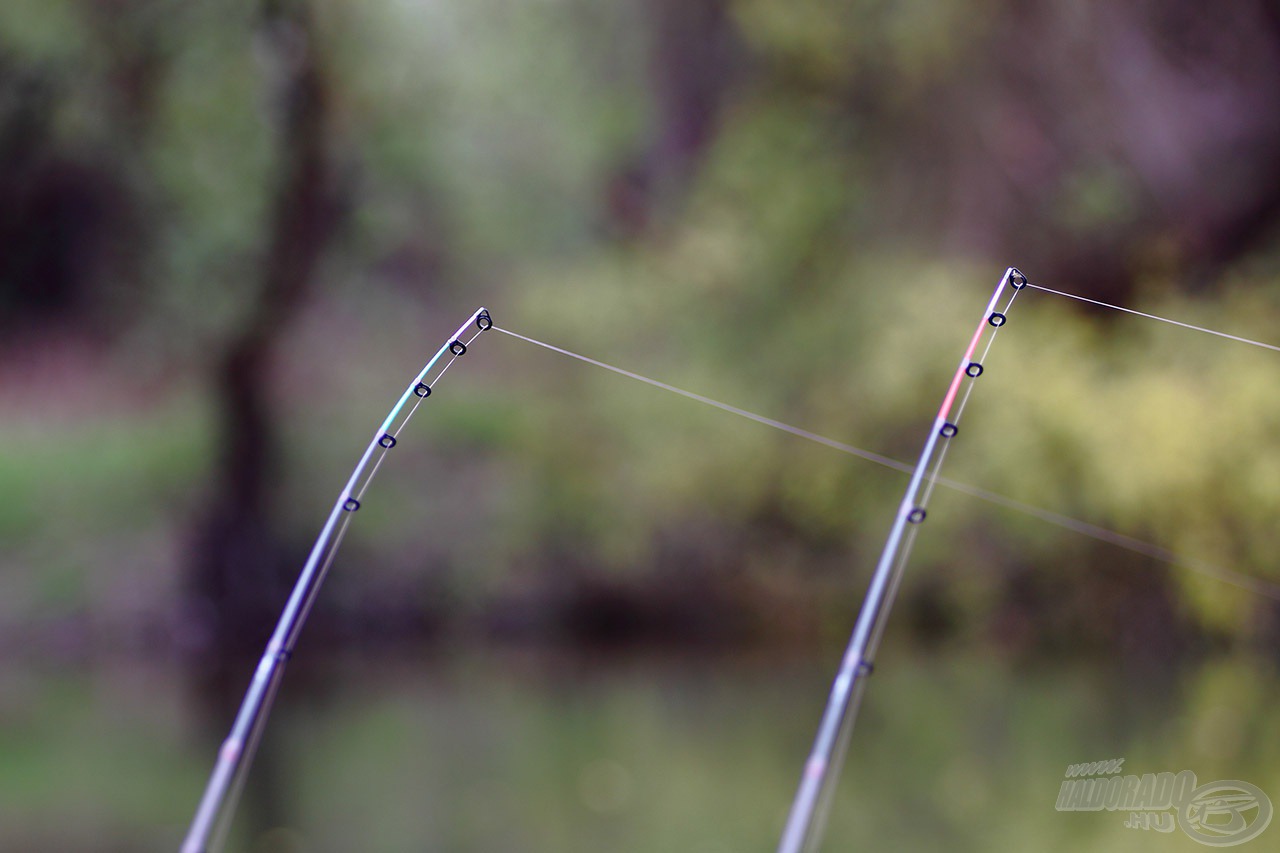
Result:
[[692, 67], [693, 48], [241, 567]]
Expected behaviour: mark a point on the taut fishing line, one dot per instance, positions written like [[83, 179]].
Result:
[[1179, 323], [1075, 525]]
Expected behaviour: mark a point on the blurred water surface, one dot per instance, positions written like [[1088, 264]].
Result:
[[519, 751]]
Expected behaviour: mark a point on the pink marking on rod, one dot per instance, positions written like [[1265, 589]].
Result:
[[230, 749], [973, 347], [959, 377]]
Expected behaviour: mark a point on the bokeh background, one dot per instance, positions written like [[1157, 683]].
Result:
[[577, 613]]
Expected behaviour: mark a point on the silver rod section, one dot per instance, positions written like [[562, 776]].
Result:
[[803, 829], [213, 816]]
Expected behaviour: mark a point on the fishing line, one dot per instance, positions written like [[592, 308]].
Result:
[[868, 455], [1195, 328], [213, 815], [1066, 522]]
